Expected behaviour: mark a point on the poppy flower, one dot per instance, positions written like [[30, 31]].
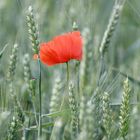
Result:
[[62, 49]]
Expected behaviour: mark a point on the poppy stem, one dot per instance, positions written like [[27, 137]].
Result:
[[40, 102]]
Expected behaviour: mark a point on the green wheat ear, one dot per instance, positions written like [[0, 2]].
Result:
[[27, 71], [111, 26], [12, 68], [12, 63], [125, 110], [107, 116], [32, 29], [11, 72], [74, 110]]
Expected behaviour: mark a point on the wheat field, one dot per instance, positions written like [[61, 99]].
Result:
[[96, 98]]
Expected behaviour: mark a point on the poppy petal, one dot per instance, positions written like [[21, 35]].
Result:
[[62, 48]]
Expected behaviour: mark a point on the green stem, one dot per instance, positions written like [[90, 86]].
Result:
[[34, 109], [40, 103]]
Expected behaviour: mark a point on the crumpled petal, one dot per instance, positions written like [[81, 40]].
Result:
[[62, 49]]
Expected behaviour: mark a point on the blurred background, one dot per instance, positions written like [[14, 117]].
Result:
[[55, 17]]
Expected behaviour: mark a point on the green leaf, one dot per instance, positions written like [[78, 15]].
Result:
[[45, 125], [55, 114]]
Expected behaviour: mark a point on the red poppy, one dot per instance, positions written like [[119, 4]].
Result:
[[62, 48]]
